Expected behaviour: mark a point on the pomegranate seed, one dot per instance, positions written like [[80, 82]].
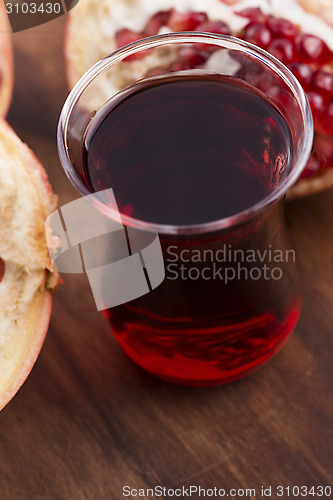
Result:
[[312, 166], [254, 14], [218, 27], [303, 74], [317, 104], [310, 48], [258, 34], [156, 22], [191, 56], [2, 268], [323, 82], [282, 49], [186, 21], [326, 124], [125, 36], [282, 28], [215, 27]]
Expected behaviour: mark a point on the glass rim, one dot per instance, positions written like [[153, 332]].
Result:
[[224, 41]]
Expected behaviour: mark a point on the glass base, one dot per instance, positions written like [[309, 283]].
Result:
[[205, 360]]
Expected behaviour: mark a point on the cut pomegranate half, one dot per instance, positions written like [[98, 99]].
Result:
[[308, 55], [26, 274]]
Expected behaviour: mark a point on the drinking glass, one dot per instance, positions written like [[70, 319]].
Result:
[[196, 327]]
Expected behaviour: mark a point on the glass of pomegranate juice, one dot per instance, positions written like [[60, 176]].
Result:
[[200, 137]]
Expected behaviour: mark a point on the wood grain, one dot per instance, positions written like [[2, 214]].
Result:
[[87, 421]]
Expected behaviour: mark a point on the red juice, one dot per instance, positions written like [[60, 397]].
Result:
[[186, 151]]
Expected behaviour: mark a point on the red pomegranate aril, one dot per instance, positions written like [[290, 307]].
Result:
[[303, 74], [310, 48], [326, 124], [282, 28], [215, 27], [187, 21], [323, 83], [282, 49], [317, 104], [126, 36], [192, 56], [258, 34], [218, 27], [2, 269], [312, 167], [253, 13], [156, 22], [326, 56]]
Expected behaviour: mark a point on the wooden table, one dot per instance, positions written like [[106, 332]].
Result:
[[87, 421]]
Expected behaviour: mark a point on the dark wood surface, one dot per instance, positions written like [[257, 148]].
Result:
[[87, 421]]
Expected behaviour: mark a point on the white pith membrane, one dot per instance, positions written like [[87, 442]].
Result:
[[94, 25], [26, 199], [323, 8]]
